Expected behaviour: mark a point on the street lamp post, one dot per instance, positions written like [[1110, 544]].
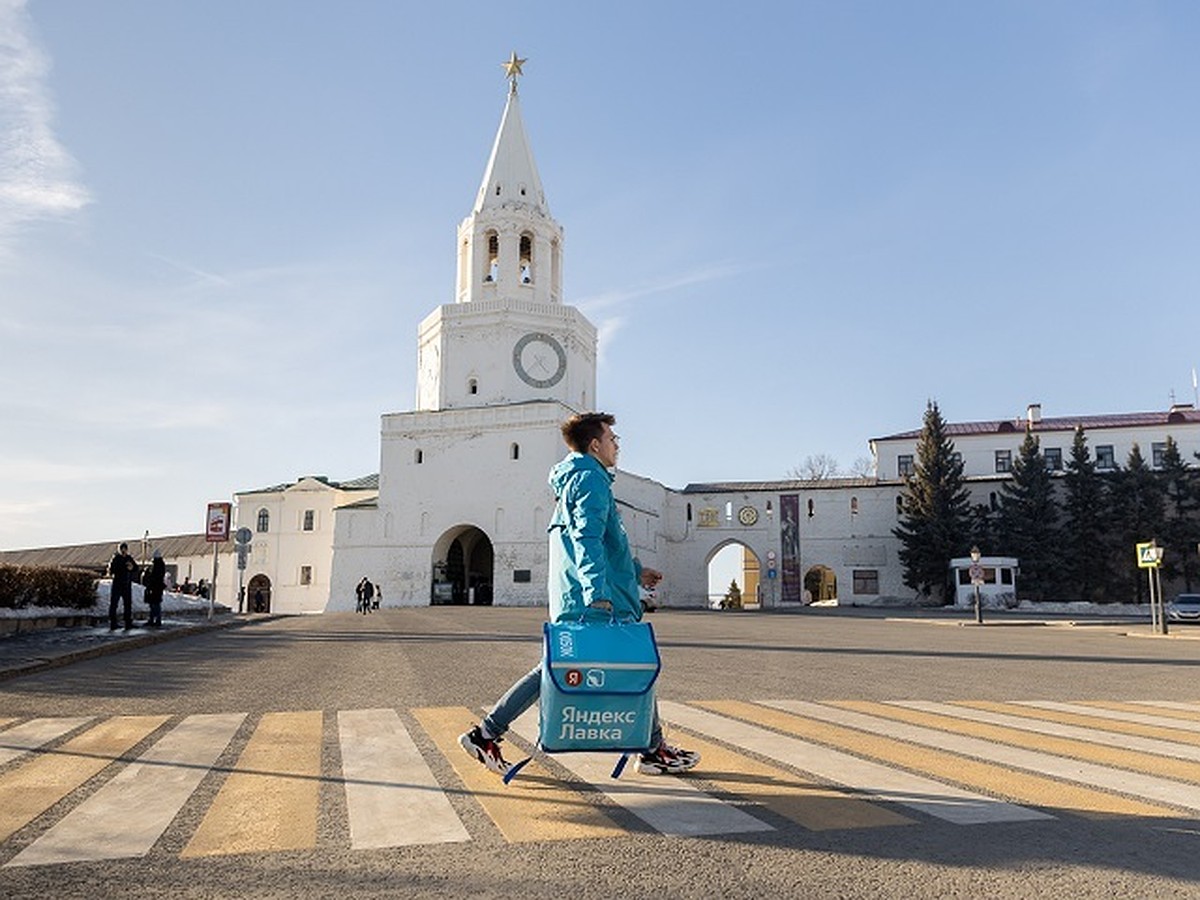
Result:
[[977, 580]]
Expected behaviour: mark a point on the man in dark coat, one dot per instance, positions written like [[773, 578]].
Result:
[[155, 584], [124, 572]]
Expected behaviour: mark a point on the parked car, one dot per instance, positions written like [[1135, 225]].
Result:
[[1184, 608]]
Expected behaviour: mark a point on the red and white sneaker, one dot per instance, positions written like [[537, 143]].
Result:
[[485, 750], [667, 760]]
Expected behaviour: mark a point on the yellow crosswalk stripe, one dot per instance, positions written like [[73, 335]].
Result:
[[32, 788], [1067, 718], [998, 780], [269, 801], [1137, 761], [537, 806], [807, 803]]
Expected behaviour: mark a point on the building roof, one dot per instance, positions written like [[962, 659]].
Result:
[[726, 487], [1176, 415], [97, 556], [365, 483]]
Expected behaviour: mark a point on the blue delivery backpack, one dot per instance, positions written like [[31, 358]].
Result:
[[597, 691]]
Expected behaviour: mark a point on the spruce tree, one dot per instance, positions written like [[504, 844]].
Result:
[[1029, 523], [1137, 516], [934, 527], [1085, 556], [1181, 530]]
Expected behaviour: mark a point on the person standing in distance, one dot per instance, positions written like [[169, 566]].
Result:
[[594, 579], [124, 570]]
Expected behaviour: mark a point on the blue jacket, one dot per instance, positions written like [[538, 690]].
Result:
[[590, 558]]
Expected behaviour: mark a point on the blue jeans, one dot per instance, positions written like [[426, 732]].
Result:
[[522, 695]]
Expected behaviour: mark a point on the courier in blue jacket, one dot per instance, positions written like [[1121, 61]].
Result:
[[594, 577]]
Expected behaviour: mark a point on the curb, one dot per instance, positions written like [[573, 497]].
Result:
[[16, 670]]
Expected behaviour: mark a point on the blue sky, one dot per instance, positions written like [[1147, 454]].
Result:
[[793, 222]]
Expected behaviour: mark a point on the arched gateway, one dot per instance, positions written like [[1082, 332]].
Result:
[[463, 567]]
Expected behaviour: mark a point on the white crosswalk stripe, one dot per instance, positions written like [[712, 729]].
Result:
[[21, 739], [392, 796]]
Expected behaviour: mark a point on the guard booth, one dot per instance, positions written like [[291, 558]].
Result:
[[999, 588]]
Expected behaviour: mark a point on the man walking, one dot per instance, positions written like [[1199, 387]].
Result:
[[123, 568], [594, 579]]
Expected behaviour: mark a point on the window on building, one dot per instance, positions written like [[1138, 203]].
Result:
[[1105, 458], [1053, 457], [310, 518], [264, 521], [866, 581], [526, 259], [1157, 452], [472, 386], [904, 465], [306, 575], [854, 506], [689, 512], [1003, 460], [493, 245], [418, 457], [514, 452], [522, 576], [1006, 576], [729, 511], [993, 501], [899, 504], [811, 509]]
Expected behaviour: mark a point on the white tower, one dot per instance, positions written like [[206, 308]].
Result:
[[508, 337], [463, 503]]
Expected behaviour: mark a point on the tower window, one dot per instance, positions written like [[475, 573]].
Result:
[[472, 386], [264, 521], [514, 452], [418, 457], [854, 506], [493, 245], [689, 512], [310, 518], [306, 575], [526, 259], [899, 504], [811, 510]]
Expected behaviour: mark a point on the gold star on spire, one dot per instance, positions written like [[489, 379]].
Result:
[[512, 69]]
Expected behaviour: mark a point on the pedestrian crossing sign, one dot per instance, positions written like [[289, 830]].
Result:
[[1148, 555]]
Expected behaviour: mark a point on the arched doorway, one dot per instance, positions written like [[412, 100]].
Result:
[[734, 563], [463, 567], [258, 594], [820, 583]]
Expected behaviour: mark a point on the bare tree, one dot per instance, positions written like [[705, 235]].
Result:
[[863, 467], [816, 467]]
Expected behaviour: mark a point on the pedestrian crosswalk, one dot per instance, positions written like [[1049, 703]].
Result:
[[97, 788]]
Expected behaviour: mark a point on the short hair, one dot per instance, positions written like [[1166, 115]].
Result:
[[123, 546], [582, 428]]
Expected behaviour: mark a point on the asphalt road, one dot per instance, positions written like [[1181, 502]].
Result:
[[810, 833]]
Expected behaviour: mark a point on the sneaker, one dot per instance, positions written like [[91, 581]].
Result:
[[667, 760], [486, 750]]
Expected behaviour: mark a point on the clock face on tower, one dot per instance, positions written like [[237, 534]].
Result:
[[540, 360]]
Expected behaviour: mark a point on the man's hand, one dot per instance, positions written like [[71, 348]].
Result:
[[650, 578]]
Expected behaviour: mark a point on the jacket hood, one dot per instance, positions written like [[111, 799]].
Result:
[[570, 465]]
